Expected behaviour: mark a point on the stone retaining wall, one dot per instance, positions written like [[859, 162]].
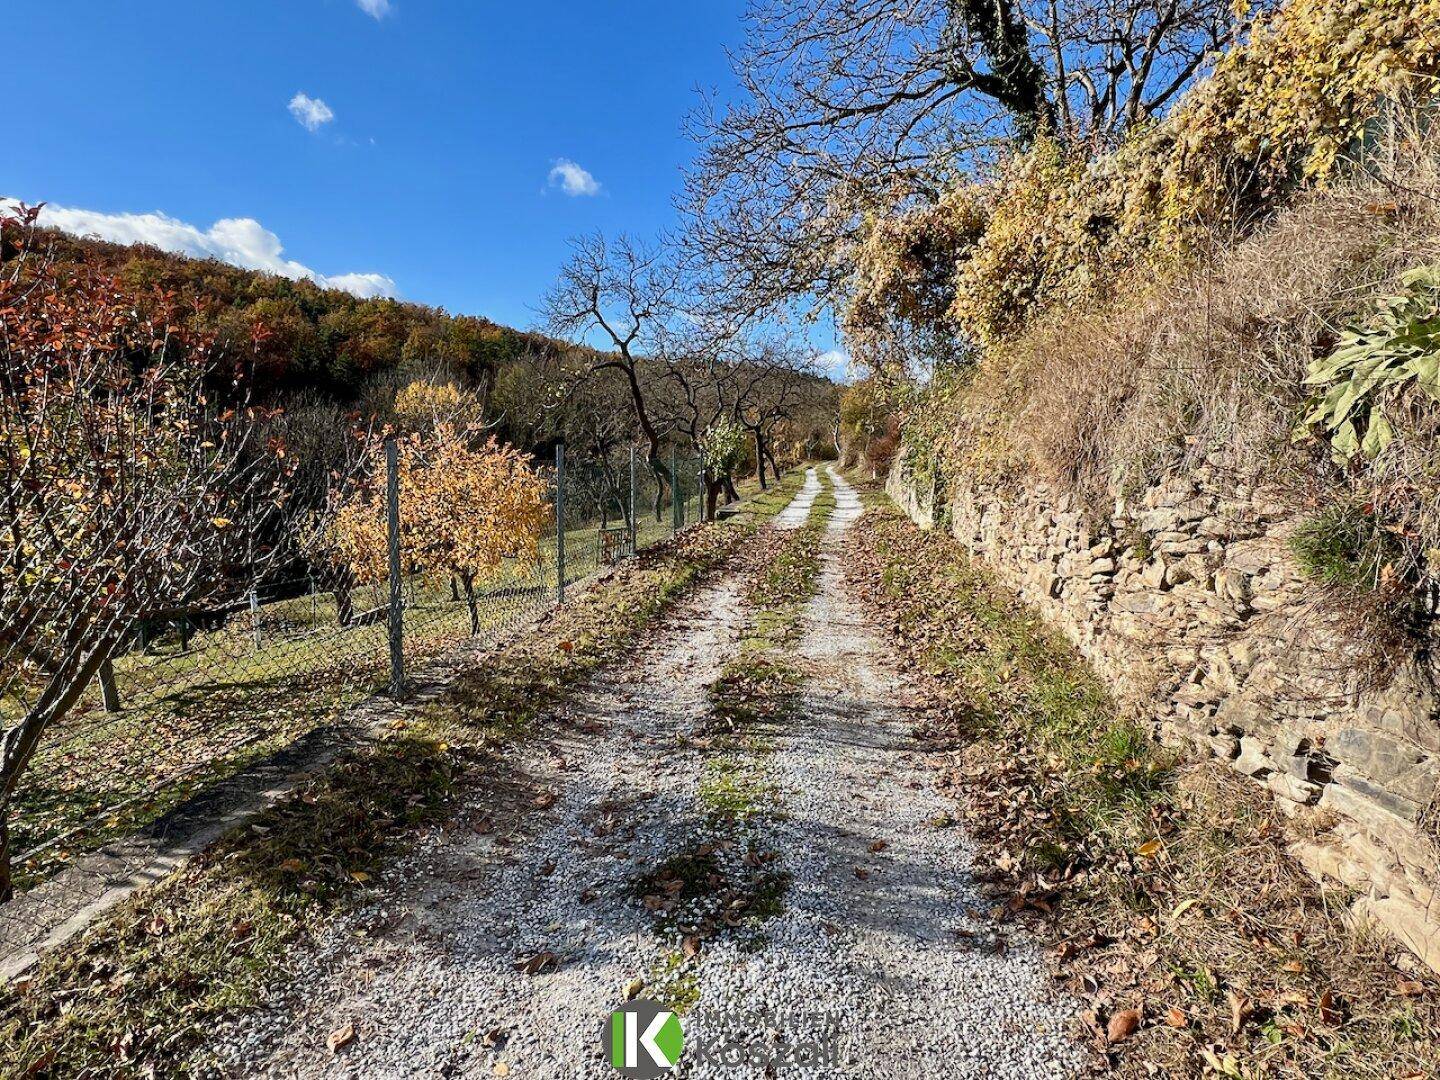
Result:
[[1188, 603]]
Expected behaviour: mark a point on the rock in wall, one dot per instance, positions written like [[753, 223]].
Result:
[[1186, 601]]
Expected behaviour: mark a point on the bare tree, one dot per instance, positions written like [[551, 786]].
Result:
[[850, 106], [628, 294], [772, 383]]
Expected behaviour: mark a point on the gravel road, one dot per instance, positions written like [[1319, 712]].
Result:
[[500, 945], [798, 512]]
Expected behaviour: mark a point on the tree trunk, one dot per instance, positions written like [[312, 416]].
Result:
[[7, 885], [760, 458], [468, 581], [712, 494], [18, 743], [344, 602], [731, 495], [109, 692]]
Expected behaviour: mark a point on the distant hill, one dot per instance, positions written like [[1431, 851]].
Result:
[[304, 337]]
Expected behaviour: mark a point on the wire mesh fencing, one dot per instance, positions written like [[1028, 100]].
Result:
[[190, 696]]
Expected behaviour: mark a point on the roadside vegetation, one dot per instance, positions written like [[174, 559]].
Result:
[[728, 881], [139, 991], [1173, 909]]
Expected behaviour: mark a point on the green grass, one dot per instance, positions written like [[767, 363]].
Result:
[[762, 505], [195, 716], [138, 993], [1020, 680], [1344, 547]]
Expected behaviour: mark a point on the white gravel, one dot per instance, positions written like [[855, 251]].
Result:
[[798, 512], [877, 953], [425, 971]]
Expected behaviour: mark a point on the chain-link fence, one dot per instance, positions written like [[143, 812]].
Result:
[[191, 696]]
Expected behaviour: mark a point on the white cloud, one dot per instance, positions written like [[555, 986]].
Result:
[[310, 113], [239, 241], [376, 9], [572, 179], [836, 364]]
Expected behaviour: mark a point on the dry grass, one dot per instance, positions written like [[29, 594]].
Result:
[[1209, 365], [1164, 886]]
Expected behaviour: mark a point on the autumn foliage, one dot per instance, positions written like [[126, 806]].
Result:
[[466, 506], [1059, 226], [125, 490]]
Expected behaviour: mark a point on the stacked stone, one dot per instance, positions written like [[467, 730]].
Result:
[[1188, 603]]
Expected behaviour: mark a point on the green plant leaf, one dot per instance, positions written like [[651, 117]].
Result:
[[1426, 370], [1378, 435], [1345, 441]]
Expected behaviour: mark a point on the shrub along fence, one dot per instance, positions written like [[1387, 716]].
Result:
[[194, 694]]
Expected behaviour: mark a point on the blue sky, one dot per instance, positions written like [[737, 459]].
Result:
[[413, 142]]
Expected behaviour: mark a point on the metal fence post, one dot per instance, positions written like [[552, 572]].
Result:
[[677, 508], [634, 531], [397, 593], [254, 616], [560, 524]]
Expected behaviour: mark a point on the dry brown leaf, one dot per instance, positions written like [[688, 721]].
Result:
[[1176, 1018], [1122, 1025], [690, 946], [501, 1069], [1239, 1010], [340, 1038], [539, 962], [545, 800]]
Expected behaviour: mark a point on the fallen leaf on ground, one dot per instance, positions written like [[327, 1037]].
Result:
[[879, 845], [633, 988], [1239, 1010], [1122, 1025], [534, 965], [1176, 1017], [545, 800], [340, 1038]]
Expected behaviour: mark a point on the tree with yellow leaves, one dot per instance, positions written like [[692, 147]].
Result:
[[465, 507]]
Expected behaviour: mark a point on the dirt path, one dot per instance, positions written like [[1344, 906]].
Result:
[[884, 940], [879, 960], [796, 514]]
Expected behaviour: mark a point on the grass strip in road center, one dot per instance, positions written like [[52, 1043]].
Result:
[[139, 991], [727, 881]]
